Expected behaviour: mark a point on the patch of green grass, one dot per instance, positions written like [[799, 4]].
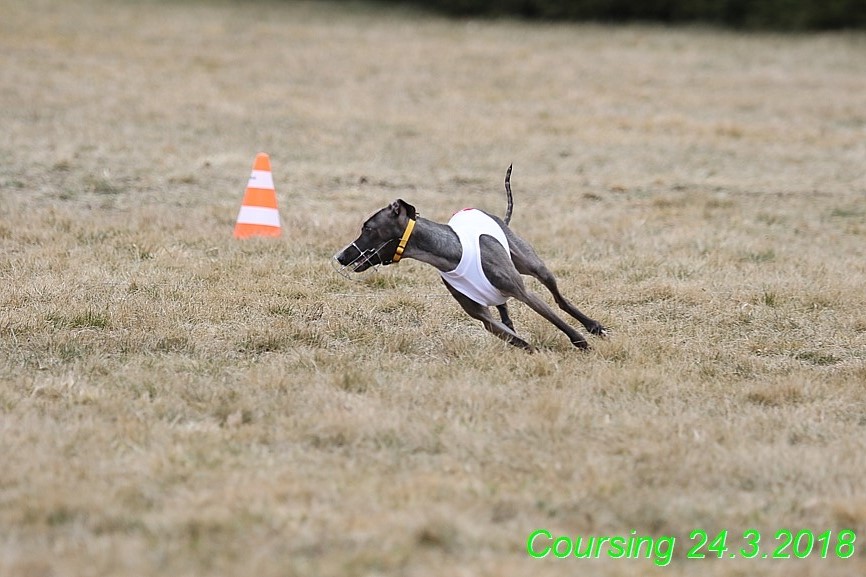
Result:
[[819, 358], [102, 184], [264, 342], [87, 319], [848, 212], [760, 256], [770, 298]]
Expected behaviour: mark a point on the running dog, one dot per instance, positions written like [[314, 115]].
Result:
[[479, 258]]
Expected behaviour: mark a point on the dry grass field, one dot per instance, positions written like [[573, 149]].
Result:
[[177, 402]]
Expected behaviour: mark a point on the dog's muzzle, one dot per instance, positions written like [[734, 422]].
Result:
[[365, 257]]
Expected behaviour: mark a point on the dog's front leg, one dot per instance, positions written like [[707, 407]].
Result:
[[503, 315], [482, 313]]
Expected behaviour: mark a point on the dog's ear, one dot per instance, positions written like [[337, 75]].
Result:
[[395, 208], [401, 206]]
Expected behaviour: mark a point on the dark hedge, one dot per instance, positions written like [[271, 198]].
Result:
[[748, 14]]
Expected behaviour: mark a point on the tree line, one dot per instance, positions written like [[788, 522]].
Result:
[[742, 14]]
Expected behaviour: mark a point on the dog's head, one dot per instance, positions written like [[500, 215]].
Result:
[[379, 239]]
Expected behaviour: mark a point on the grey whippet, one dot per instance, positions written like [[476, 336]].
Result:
[[397, 231]]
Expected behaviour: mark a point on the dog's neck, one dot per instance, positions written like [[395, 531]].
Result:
[[434, 243]]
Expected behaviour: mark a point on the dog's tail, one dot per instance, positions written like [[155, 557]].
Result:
[[510, 207]]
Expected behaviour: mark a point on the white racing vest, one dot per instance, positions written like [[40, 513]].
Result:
[[468, 277]]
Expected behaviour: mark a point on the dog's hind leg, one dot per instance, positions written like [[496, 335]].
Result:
[[548, 280], [538, 305], [500, 270], [482, 313], [530, 264]]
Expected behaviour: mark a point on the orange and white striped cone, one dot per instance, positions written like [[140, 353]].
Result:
[[259, 215]]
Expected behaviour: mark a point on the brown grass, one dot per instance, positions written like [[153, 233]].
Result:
[[175, 402]]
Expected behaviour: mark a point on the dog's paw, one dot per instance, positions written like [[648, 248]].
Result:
[[598, 330]]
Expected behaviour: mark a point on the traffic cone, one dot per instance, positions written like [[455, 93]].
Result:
[[259, 215]]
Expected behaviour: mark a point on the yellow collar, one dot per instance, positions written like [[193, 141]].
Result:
[[410, 226]]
